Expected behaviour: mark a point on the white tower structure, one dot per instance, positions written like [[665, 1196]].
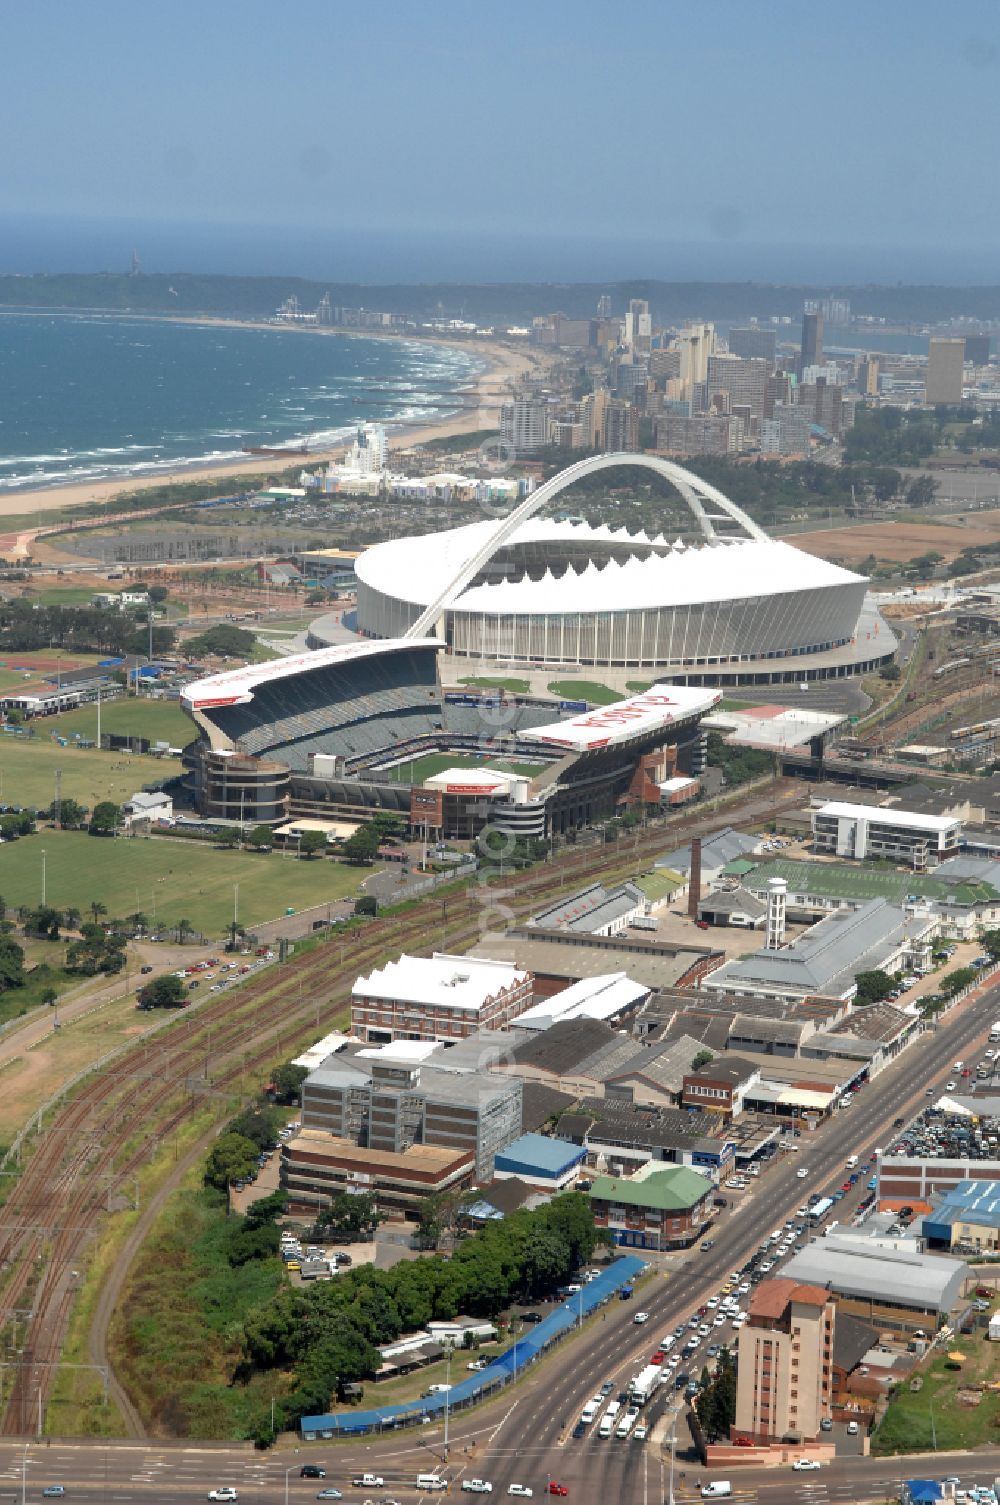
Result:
[[777, 891]]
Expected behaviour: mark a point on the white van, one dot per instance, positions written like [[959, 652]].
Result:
[[590, 1410], [431, 1481], [717, 1490], [607, 1425], [852, 1161]]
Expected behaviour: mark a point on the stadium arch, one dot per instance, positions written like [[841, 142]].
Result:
[[692, 488]]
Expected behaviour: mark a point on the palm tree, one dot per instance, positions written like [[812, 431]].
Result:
[[97, 909], [184, 929], [71, 918]]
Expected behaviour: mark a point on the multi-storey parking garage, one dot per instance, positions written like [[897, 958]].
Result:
[[727, 606]]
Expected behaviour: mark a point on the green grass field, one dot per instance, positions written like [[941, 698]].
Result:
[[584, 689], [65, 595], [485, 682], [909, 1425], [185, 879], [21, 668], [130, 716], [28, 768], [425, 768]]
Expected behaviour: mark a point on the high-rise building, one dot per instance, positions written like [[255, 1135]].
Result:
[[824, 402], [812, 340], [524, 424], [785, 1362], [592, 410], [945, 359], [868, 376], [621, 426], [705, 434], [977, 349], [836, 311], [744, 379], [638, 327], [695, 343], [604, 306], [787, 432], [753, 342]]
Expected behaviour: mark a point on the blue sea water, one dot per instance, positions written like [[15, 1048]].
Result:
[[94, 398]]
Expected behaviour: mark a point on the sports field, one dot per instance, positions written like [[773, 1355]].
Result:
[[488, 682], [129, 716], [28, 668], [584, 689], [28, 768], [179, 879], [419, 769], [836, 880]]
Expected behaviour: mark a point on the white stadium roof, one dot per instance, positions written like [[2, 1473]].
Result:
[[609, 725], [236, 686], [675, 574]]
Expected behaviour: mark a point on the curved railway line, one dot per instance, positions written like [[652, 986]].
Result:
[[94, 1141]]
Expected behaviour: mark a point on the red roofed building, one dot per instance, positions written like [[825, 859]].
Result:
[[785, 1373]]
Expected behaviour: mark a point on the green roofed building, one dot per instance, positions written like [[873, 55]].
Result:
[[957, 890], [657, 1208]]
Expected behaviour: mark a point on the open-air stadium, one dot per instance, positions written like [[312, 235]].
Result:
[[338, 732], [720, 604]]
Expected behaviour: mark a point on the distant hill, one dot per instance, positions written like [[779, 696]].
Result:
[[258, 297]]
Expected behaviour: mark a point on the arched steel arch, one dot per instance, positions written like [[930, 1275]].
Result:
[[692, 488]]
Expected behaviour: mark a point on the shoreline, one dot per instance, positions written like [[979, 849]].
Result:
[[502, 365]]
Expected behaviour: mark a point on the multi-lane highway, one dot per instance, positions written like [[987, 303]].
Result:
[[525, 1436]]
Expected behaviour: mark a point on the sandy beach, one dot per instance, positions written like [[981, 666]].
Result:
[[505, 366]]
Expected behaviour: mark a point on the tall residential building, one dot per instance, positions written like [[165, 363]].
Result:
[[786, 432], [621, 426], [826, 406], [868, 376], [812, 341], [836, 311], [695, 343], [945, 359], [753, 342], [604, 306], [744, 379], [592, 410], [524, 424], [785, 1362]]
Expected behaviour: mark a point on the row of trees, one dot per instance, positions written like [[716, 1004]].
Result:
[[328, 1334], [26, 625]]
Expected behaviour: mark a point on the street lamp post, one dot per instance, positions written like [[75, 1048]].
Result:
[[24, 1471], [447, 1408], [43, 877], [290, 1470]]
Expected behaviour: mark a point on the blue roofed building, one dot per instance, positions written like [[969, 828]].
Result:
[[968, 1214], [540, 1161]]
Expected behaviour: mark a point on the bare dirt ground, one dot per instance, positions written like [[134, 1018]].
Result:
[[899, 541]]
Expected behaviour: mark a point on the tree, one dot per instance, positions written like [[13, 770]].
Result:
[[892, 673], [43, 922], [702, 1058], [955, 981], [164, 640], [260, 837], [366, 905], [157, 594], [990, 942], [71, 814], [71, 917], [184, 929], [259, 1123], [223, 641], [97, 909], [104, 819], [50, 996], [873, 986], [432, 1220], [716, 1401], [312, 842], [286, 1080], [163, 992], [231, 1158], [11, 964], [361, 846]]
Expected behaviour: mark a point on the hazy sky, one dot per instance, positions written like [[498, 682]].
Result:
[[736, 122]]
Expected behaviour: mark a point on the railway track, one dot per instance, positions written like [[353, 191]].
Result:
[[98, 1138]]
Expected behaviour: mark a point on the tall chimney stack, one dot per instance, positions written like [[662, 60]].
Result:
[[694, 890], [777, 890]]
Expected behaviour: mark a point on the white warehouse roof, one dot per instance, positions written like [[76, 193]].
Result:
[[418, 569], [882, 815], [591, 998], [454, 982]]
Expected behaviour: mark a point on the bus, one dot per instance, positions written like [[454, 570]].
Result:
[[820, 1210]]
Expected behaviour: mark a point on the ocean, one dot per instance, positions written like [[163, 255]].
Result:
[[94, 398]]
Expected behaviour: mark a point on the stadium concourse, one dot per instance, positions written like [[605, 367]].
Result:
[[336, 733], [723, 606]]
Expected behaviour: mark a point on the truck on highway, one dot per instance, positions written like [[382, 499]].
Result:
[[995, 1033], [644, 1383]]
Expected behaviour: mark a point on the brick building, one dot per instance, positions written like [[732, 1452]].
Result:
[[784, 1383]]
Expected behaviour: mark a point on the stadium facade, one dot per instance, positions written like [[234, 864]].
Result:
[[728, 606], [338, 732]]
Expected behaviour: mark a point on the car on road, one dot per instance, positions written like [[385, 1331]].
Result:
[[329, 1494], [852, 1429], [522, 1491], [607, 1387], [557, 1489], [532, 1317], [312, 1471], [226, 1493], [950, 1086], [477, 1364], [802, 1172], [580, 1430], [368, 1481], [805, 1465], [640, 1318], [708, 1243], [477, 1486]]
